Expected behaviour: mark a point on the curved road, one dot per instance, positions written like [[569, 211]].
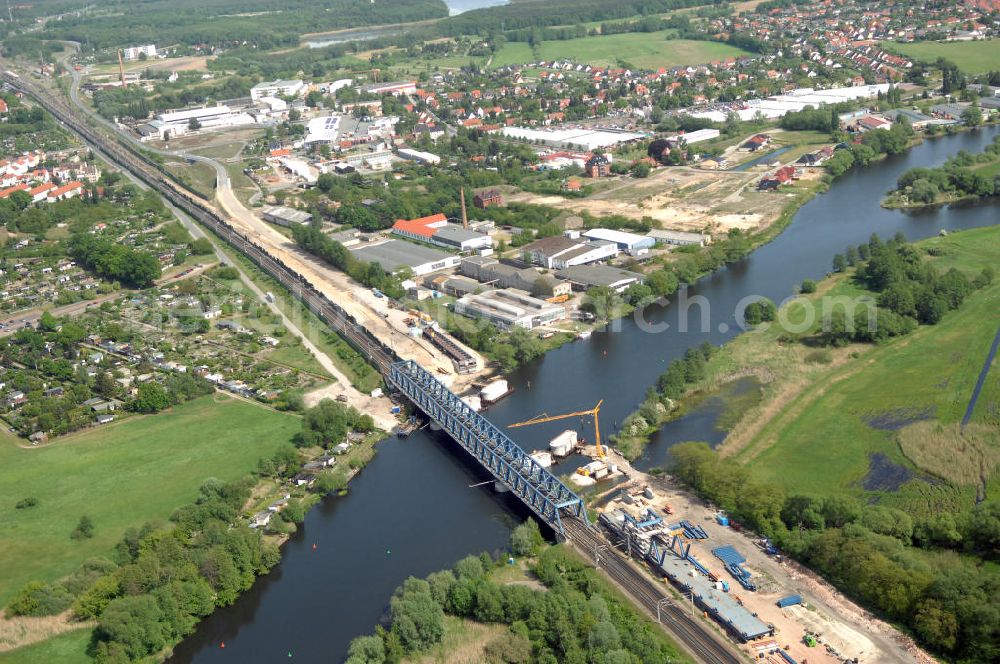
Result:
[[379, 408]]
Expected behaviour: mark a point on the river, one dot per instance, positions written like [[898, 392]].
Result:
[[374, 32], [412, 510]]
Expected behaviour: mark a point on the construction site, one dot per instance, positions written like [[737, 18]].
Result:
[[776, 609]]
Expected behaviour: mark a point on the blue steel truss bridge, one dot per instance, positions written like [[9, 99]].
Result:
[[540, 490]]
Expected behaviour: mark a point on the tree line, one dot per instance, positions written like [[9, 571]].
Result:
[[577, 618], [317, 243]]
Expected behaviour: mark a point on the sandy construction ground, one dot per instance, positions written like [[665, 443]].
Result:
[[849, 630], [680, 198]]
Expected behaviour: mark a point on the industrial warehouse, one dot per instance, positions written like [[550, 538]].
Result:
[[394, 255], [510, 308]]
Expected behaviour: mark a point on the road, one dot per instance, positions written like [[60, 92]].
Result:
[[691, 633], [378, 407], [332, 283]]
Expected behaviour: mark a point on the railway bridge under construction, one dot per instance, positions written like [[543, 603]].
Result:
[[547, 497], [511, 466]]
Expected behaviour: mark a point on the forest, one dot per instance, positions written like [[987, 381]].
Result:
[[265, 24], [519, 15], [322, 246]]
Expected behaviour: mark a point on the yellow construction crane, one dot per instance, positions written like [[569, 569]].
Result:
[[595, 411]]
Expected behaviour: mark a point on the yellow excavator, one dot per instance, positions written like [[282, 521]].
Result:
[[595, 411]]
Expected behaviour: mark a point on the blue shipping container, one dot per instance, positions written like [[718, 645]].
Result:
[[791, 600]]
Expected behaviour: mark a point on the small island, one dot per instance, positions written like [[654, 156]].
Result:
[[964, 177]]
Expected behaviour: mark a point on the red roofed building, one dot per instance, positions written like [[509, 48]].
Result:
[[10, 190], [66, 191], [435, 229], [419, 229], [41, 192]]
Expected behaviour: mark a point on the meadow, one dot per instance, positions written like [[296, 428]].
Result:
[[643, 50], [121, 475], [827, 412], [972, 57]]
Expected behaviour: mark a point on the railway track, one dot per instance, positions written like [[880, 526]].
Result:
[[150, 173], [693, 635]]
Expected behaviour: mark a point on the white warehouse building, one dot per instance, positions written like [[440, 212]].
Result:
[[291, 88], [509, 308], [209, 117], [630, 243]]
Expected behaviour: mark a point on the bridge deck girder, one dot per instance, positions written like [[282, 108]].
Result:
[[540, 490]]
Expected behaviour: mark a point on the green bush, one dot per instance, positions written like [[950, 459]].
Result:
[[819, 357], [39, 599]]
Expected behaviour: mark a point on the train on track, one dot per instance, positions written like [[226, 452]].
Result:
[[381, 355], [688, 629]]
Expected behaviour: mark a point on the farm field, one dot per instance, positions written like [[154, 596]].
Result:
[[972, 57], [883, 421], [643, 50], [121, 475]]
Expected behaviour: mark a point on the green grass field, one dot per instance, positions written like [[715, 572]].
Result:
[[68, 648], [972, 57], [642, 50], [121, 475], [821, 440]]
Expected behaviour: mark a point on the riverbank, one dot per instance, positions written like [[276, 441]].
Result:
[[272, 494], [876, 430], [642, 425]]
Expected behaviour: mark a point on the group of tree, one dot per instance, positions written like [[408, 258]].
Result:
[[576, 618], [909, 289], [114, 261], [957, 178], [873, 143], [825, 119], [170, 390], [328, 422], [508, 349], [317, 243], [867, 550]]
